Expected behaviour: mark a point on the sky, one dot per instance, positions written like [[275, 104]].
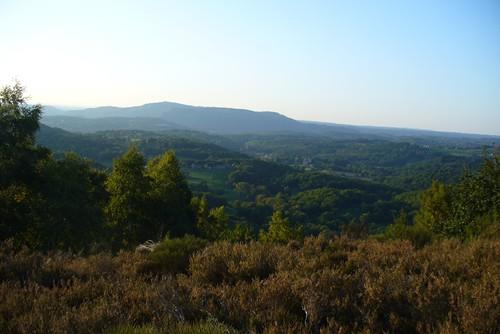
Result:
[[415, 64]]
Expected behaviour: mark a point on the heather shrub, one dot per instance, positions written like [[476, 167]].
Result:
[[225, 262], [91, 295], [322, 285], [172, 255], [350, 286]]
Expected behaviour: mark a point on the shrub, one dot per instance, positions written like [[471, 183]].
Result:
[[225, 262], [418, 234], [172, 255], [320, 286]]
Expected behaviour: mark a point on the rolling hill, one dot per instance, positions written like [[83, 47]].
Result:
[[168, 116]]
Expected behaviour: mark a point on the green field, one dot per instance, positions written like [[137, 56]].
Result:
[[215, 180]]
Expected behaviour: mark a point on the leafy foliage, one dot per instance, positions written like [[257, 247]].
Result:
[[128, 208], [418, 234], [212, 224], [464, 209], [170, 195], [280, 230]]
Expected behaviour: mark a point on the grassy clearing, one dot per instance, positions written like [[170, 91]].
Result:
[[214, 179]]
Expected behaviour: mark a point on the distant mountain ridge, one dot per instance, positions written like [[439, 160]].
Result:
[[180, 116], [165, 116]]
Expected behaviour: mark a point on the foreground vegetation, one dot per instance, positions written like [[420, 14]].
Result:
[[327, 286], [132, 250]]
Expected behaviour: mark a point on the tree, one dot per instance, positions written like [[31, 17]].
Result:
[[464, 209], [212, 224], [74, 197], [280, 230], [241, 232], [476, 199], [199, 205], [435, 208], [219, 223], [18, 125], [128, 207], [20, 199], [19, 121], [19, 205], [170, 195], [418, 234]]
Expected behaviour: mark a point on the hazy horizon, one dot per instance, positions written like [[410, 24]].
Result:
[[418, 64], [75, 108]]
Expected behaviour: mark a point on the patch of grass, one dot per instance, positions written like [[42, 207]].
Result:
[[214, 179]]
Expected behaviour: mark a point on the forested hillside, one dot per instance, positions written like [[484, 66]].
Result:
[[169, 233], [103, 147], [322, 183], [249, 188]]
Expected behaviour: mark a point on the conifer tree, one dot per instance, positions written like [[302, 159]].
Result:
[[280, 229], [200, 208], [212, 224]]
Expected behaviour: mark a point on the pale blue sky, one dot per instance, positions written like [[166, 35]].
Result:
[[419, 64]]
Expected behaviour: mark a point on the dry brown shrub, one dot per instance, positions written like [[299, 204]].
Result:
[[61, 293], [321, 286], [350, 286]]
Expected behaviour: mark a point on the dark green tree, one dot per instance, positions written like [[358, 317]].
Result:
[[19, 122], [212, 224], [19, 195], [74, 197], [418, 234], [476, 199], [241, 232], [128, 210], [170, 196], [464, 209]]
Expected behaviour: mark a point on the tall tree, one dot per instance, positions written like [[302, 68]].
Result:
[[74, 197], [280, 229], [435, 208], [19, 198], [476, 199], [464, 209], [128, 209], [171, 196], [19, 122], [200, 208]]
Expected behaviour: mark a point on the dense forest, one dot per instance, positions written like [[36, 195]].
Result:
[[132, 231]]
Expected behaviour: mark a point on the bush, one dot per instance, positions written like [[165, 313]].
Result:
[[172, 255], [225, 262], [349, 286], [321, 286], [417, 234], [62, 293]]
